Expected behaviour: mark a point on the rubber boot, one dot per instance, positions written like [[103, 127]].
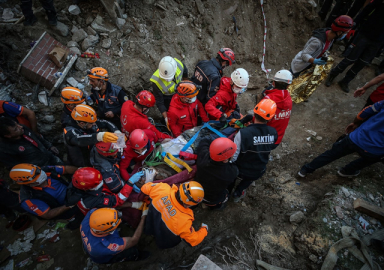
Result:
[[344, 86], [330, 79]]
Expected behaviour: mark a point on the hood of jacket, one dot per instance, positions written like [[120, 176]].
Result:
[[321, 34], [104, 162], [281, 97], [225, 85]]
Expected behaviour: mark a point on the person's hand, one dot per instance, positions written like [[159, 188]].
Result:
[[136, 189], [137, 205], [318, 61], [359, 92], [351, 127], [203, 225], [118, 132], [223, 119], [54, 150], [166, 140], [136, 177], [107, 137], [109, 114], [145, 210]]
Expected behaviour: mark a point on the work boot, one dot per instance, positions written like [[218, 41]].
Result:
[[30, 20], [237, 197], [52, 20], [344, 86], [329, 79], [344, 173]]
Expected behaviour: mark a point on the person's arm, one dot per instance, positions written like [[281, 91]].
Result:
[[107, 125], [54, 212], [146, 188], [193, 237], [202, 112], [30, 115], [213, 87], [159, 134], [159, 100], [172, 121], [313, 45], [211, 106], [132, 241], [112, 178], [73, 137], [124, 164], [69, 169], [363, 115], [122, 97], [359, 92], [237, 141]]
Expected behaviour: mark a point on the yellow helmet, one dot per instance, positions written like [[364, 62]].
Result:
[[191, 193], [25, 173], [84, 113], [104, 220], [72, 95]]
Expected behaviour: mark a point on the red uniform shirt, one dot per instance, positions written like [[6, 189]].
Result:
[[378, 94]]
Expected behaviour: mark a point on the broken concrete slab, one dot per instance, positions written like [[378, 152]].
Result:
[[81, 64], [106, 43], [72, 43], [89, 42], [79, 35], [74, 29], [100, 26], [62, 28], [89, 20], [91, 31], [297, 217], [75, 50], [204, 263], [74, 10], [120, 22]]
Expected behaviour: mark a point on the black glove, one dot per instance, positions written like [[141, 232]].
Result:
[[223, 119]]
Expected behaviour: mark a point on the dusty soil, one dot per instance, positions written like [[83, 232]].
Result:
[[192, 32]]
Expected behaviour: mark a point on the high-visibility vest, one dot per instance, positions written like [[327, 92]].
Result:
[[168, 88]]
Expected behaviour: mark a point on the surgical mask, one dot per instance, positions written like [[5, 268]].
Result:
[[191, 100], [341, 37], [97, 88], [42, 178], [145, 111], [142, 153], [238, 90]]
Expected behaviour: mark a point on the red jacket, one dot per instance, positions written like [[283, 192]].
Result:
[[183, 116], [378, 94], [132, 119], [129, 154], [225, 98], [283, 111]]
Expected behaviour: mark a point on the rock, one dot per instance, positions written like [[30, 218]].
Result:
[[297, 217], [376, 61], [79, 35], [204, 263], [74, 10], [89, 42], [97, 24], [75, 50], [74, 29], [81, 64], [89, 20], [313, 258], [325, 220], [319, 138], [200, 6], [284, 178], [345, 191], [49, 118], [106, 43], [120, 22], [7, 14], [313, 133], [339, 212], [90, 31], [62, 28], [72, 43]]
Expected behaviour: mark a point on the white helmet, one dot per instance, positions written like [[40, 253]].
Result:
[[240, 77], [283, 76], [167, 68]]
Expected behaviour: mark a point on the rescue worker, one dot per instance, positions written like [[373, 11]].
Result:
[[171, 71], [139, 145], [320, 42], [30, 18], [364, 47], [106, 159], [214, 171], [208, 73], [280, 95], [185, 108], [43, 192], [103, 242], [365, 137], [19, 113], [377, 95], [20, 144], [170, 217], [254, 143], [71, 97], [108, 97], [224, 104], [134, 115], [88, 191], [81, 134]]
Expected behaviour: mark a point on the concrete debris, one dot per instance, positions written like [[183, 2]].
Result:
[[62, 28], [75, 50], [79, 35], [74, 10], [74, 29], [284, 178], [204, 263], [72, 81], [345, 191], [89, 42], [7, 14], [339, 212], [297, 217], [106, 43], [91, 31], [19, 247], [89, 20], [81, 64], [312, 3], [319, 138], [9, 266], [72, 43], [49, 118], [313, 133], [42, 96], [120, 22], [313, 258], [98, 25]]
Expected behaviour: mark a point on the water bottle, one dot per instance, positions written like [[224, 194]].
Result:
[[58, 74], [120, 144], [88, 98]]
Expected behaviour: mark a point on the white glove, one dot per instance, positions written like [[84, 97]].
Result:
[[145, 210], [203, 225], [137, 205], [117, 132]]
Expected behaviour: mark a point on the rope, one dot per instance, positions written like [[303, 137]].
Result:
[[267, 71]]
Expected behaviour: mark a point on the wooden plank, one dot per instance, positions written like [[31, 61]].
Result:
[[376, 235], [369, 209]]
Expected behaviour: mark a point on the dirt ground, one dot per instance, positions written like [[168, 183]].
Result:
[[191, 32]]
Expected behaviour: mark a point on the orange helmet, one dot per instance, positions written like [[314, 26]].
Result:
[[191, 193], [98, 73], [72, 95], [104, 220], [25, 173], [187, 89], [105, 149], [222, 149], [265, 109], [84, 113], [138, 139], [87, 178]]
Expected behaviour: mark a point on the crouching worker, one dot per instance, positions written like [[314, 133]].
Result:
[[214, 171], [43, 192], [71, 97], [82, 132], [103, 242], [185, 108], [170, 217], [88, 191]]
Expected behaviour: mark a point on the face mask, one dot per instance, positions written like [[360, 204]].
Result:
[[238, 90], [42, 178], [342, 37], [97, 88], [142, 153], [191, 100], [145, 111]]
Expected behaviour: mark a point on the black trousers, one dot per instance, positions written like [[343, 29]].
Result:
[[245, 182], [340, 149], [362, 51], [26, 8], [131, 254], [218, 204]]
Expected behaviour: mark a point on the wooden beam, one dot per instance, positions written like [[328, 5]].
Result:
[[369, 209], [65, 72]]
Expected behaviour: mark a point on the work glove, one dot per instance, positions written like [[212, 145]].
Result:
[[118, 132], [136, 189], [107, 137], [318, 61], [136, 177], [203, 225], [223, 119], [145, 210], [138, 205]]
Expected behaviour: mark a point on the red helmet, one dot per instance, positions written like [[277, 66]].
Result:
[[146, 98], [105, 149], [227, 54], [342, 23], [87, 178], [138, 139], [222, 149]]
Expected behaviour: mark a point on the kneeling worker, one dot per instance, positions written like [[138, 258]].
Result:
[[71, 97]]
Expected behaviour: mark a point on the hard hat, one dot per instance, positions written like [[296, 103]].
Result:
[[228, 55], [87, 178], [222, 149], [138, 139], [104, 220], [105, 149], [191, 193], [342, 23], [25, 173], [187, 89], [167, 68], [146, 98], [72, 95], [284, 76], [240, 77], [266, 109], [98, 73], [84, 113]]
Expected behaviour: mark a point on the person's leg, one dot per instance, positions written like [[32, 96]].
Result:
[[131, 254], [368, 103], [26, 8], [366, 159], [50, 10], [74, 217], [244, 184], [220, 204], [325, 9], [357, 5]]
